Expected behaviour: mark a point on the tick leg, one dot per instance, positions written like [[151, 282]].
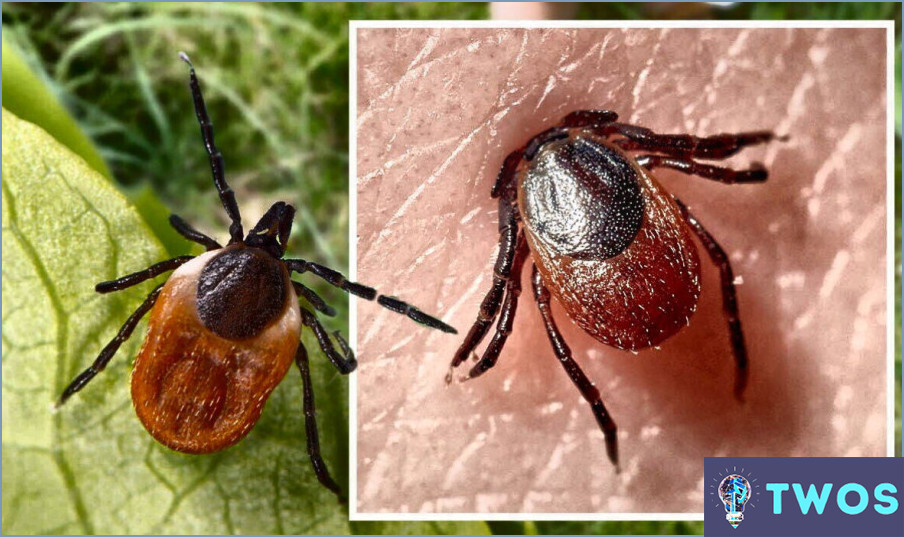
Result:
[[192, 234], [314, 299], [538, 141], [718, 146], [729, 297], [416, 315], [589, 118], [310, 424], [507, 317], [345, 361], [227, 196], [756, 174], [137, 277], [563, 353], [508, 238], [506, 174], [331, 277], [369, 293], [107, 353]]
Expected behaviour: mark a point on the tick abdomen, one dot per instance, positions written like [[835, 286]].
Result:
[[628, 275], [196, 391]]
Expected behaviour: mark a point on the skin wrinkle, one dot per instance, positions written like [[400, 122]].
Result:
[[491, 443], [411, 199]]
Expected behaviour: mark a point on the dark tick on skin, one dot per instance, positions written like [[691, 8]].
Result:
[[607, 241], [225, 328]]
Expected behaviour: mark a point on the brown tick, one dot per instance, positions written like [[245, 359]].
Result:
[[225, 328], [607, 240]]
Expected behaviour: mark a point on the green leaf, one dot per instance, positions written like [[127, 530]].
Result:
[[27, 97], [90, 467], [898, 88], [156, 216]]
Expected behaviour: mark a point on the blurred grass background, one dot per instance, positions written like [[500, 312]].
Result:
[[275, 77]]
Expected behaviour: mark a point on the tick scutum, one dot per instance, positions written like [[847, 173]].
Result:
[[582, 198], [241, 291]]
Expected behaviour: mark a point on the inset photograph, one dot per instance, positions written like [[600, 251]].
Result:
[[656, 245]]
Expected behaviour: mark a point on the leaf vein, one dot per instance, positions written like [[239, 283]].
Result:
[[62, 337]]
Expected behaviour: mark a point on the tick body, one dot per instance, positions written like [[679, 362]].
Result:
[[196, 387], [225, 328], [607, 241], [605, 237]]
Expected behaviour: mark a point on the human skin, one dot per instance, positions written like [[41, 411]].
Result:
[[438, 111], [532, 10]]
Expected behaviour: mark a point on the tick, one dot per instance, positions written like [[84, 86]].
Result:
[[607, 241], [225, 328]]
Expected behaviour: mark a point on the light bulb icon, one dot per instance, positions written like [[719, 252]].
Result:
[[734, 491]]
